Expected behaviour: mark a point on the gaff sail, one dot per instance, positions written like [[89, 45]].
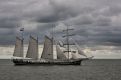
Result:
[[48, 49], [18, 51], [32, 51]]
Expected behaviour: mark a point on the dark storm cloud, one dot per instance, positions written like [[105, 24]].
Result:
[[95, 21], [8, 22]]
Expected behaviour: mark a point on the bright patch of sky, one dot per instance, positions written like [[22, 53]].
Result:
[[103, 52]]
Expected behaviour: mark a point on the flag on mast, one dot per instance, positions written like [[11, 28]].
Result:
[[22, 29]]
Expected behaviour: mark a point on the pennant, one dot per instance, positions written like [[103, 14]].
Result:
[[22, 29]]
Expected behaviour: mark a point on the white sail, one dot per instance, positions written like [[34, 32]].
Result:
[[66, 54], [60, 54], [18, 51], [75, 55], [48, 48], [32, 51], [79, 49], [81, 52], [61, 44]]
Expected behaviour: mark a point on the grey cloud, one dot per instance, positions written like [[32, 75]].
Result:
[[81, 20], [113, 11], [103, 21], [8, 22], [93, 20]]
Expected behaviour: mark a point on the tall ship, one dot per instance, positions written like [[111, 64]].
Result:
[[64, 54]]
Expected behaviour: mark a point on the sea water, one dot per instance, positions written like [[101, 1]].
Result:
[[89, 70]]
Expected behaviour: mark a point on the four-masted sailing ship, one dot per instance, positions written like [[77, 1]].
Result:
[[65, 56]]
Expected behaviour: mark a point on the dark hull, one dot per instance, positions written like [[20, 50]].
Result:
[[54, 62]]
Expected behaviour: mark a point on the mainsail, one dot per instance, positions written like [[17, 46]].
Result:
[[48, 48], [18, 51], [60, 54], [32, 48]]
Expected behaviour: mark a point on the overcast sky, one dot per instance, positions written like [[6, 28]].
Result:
[[95, 21]]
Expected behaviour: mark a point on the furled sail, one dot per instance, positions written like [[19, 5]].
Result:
[[60, 54], [48, 48], [18, 51], [32, 48]]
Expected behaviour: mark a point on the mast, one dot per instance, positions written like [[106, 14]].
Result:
[[37, 47], [67, 39], [52, 40], [22, 36]]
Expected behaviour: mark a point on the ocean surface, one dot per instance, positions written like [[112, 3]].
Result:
[[89, 70]]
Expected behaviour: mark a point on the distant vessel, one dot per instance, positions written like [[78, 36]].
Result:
[[47, 57]]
